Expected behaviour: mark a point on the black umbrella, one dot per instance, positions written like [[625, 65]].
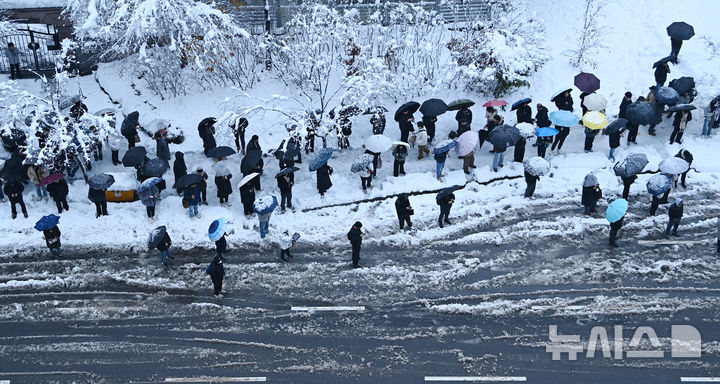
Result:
[[682, 107], [208, 121], [221, 151], [448, 191], [290, 151], [460, 104], [433, 107], [156, 235], [101, 181], [189, 179], [680, 30], [505, 135], [410, 106], [664, 60], [287, 171], [640, 112], [683, 84], [128, 125], [250, 160], [632, 165], [376, 109], [616, 126], [587, 82], [154, 167], [134, 156]]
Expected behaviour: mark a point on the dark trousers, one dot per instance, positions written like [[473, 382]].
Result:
[[560, 138], [589, 139], [115, 157], [613, 234], [398, 167], [217, 284], [626, 191], [101, 208], [654, 205], [541, 150], [355, 254], [22, 206], [519, 153], [530, 189], [683, 178], [366, 182], [248, 208], [676, 136], [285, 253], [14, 71], [444, 216], [482, 136], [632, 134], [203, 192], [223, 199], [285, 199], [98, 155], [309, 144], [150, 211], [404, 219], [131, 142], [62, 203], [672, 224]]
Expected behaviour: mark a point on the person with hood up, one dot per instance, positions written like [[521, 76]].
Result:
[[161, 147], [98, 197], [590, 197], [675, 213], [624, 104], [129, 128], [445, 203], [323, 179], [661, 73], [464, 119], [216, 270], [164, 248], [404, 210], [52, 240], [59, 191], [355, 236], [179, 167]]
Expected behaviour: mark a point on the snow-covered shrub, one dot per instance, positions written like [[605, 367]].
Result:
[[589, 37]]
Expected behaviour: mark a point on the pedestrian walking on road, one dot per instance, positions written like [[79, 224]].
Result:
[[404, 210], [52, 239], [614, 229], [355, 236], [216, 270], [164, 248], [445, 202], [675, 213]]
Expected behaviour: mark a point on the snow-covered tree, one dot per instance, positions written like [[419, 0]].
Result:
[[589, 37]]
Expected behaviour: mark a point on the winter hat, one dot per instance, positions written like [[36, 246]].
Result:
[[357, 224], [10, 45], [255, 137], [199, 170], [628, 94], [678, 201]]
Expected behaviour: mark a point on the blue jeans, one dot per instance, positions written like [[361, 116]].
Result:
[[659, 84], [56, 252], [498, 160], [41, 191], [612, 154], [672, 224], [164, 256], [72, 170], [706, 127], [591, 208], [193, 210], [438, 168], [264, 228]]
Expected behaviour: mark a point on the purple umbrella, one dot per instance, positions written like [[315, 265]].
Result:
[[587, 82]]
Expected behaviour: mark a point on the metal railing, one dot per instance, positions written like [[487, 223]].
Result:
[[38, 50]]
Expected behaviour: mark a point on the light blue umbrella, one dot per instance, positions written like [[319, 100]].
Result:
[[217, 229], [616, 210], [320, 159], [445, 146], [149, 183], [564, 118], [547, 131]]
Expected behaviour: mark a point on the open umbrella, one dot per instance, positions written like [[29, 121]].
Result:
[[134, 156], [247, 178], [320, 159], [587, 82], [558, 93], [442, 194], [149, 183], [362, 163], [595, 102], [680, 30], [189, 179], [375, 110], [378, 143], [683, 84], [156, 235], [52, 178], [444, 146], [505, 135], [682, 107], [664, 60], [520, 102], [616, 210], [157, 125], [633, 164], [495, 103], [526, 129], [128, 125], [640, 113], [674, 165], [47, 222], [536, 166], [466, 143], [105, 111], [590, 180], [217, 229], [433, 107], [404, 144], [154, 167], [410, 106], [208, 121], [616, 126], [564, 118], [547, 131], [595, 120], [250, 160], [286, 171], [221, 151], [659, 184], [265, 204], [101, 181], [460, 104], [667, 95]]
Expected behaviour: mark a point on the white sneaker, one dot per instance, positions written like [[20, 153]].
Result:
[[228, 204]]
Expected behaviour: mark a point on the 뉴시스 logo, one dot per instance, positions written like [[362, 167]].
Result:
[[685, 342]]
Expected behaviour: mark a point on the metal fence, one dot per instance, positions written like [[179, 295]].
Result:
[[38, 50]]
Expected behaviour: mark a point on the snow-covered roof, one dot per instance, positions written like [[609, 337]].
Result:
[[15, 4]]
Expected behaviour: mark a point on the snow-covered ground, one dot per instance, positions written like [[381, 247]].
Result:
[[635, 38]]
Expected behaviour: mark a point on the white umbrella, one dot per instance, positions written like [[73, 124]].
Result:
[[595, 102], [156, 125], [396, 143], [247, 178], [378, 143], [536, 166], [674, 165], [466, 143], [526, 129]]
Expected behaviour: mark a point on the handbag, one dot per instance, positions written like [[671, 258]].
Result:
[[137, 138], [185, 203]]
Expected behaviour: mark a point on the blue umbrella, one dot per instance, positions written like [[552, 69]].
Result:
[[47, 222], [265, 204], [520, 102], [445, 146], [156, 235], [564, 118], [667, 95], [547, 131], [659, 184], [616, 210], [149, 183], [217, 229], [154, 167], [320, 159], [640, 113], [616, 126], [556, 94], [250, 160]]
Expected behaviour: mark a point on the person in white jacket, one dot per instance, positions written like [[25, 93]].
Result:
[[366, 176], [421, 139], [286, 242]]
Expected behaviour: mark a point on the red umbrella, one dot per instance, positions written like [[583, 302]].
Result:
[[495, 103], [52, 178]]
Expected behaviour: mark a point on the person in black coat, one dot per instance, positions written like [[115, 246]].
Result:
[[675, 45], [224, 188], [203, 185], [582, 102], [675, 213], [614, 228], [404, 210], [216, 270], [52, 240], [98, 197], [429, 122], [682, 118], [254, 144], [221, 245], [179, 167], [405, 123], [323, 179], [247, 197], [59, 191], [531, 181], [564, 101], [206, 130], [626, 101], [464, 119], [258, 169], [542, 144], [519, 152], [285, 185], [238, 128], [14, 191], [541, 118], [378, 121], [627, 182], [590, 197], [129, 128], [400, 153], [164, 248], [632, 129], [445, 204], [661, 73], [355, 236], [614, 142], [563, 133], [524, 114], [687, 156]]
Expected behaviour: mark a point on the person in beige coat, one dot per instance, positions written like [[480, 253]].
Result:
[[37, 173]]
